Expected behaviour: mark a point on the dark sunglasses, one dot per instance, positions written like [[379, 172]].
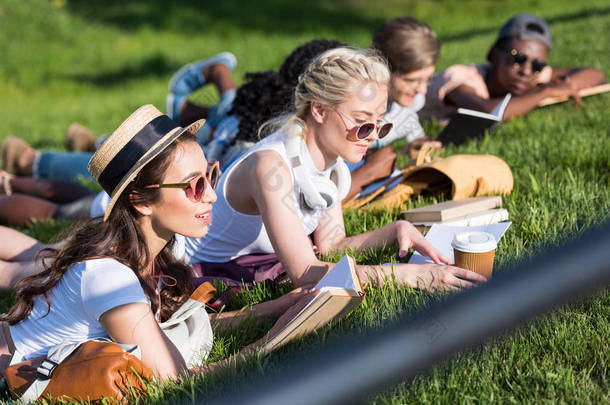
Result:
[[520, 59], [195, 187], [363, 131]]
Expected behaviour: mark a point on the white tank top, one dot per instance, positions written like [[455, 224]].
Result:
[[233, 234]]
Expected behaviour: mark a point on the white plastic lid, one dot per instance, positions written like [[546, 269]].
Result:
[[474, 242]]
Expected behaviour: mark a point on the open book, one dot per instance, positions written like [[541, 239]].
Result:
[[340, 292], [467, 124]]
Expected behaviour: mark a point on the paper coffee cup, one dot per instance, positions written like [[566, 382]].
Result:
[[475, 251]]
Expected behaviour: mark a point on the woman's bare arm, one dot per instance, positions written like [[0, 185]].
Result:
[[580, 78], [564, 82], [227, 320], [135, 324], [262, 185], [275, 203]]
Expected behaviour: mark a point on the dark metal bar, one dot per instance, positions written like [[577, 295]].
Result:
[[347, 370]]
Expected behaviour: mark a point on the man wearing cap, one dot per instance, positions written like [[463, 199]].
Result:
[[516, 65]]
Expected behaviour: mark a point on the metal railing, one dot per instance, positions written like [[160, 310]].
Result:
[[346, 370]]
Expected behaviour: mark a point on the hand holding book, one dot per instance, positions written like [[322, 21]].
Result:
[[332, 298]]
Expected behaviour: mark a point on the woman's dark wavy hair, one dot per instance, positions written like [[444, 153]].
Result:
[[120, 238], [266, 95]]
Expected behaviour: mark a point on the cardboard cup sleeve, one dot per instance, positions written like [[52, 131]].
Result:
[[475, 251], [482, 263]]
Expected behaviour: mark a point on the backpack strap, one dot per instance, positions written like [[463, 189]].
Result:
[[204, 293]]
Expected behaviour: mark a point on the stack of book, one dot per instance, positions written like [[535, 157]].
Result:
[[473, 211]]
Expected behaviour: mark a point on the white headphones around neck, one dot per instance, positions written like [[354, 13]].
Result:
[[318, 192]]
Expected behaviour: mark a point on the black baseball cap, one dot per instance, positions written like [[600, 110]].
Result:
[[526, 26]]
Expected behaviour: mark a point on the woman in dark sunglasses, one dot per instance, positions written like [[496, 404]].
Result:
[[517, 65], [286, 191], [118, 277]]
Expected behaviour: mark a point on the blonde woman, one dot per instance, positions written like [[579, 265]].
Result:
[[286, 191]]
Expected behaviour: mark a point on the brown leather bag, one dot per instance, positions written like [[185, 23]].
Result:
[[98, 370], [93, 371], [455, 178]]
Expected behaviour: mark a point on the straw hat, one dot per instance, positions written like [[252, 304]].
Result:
[[135, 142]]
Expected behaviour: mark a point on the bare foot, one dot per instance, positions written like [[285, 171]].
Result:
[[26, 161], [17, 156]]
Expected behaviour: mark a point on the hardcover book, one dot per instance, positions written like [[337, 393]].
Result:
[[454, 209], [340, 292], [467, 124]]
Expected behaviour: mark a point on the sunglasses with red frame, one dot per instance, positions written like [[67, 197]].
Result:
[[195, 188], [363, 131]]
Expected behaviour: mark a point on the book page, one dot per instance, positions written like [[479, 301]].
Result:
[[501, 107], [339, 276], [478, 114], [496, 114], [441, 237], [314, 300], [337, 296]]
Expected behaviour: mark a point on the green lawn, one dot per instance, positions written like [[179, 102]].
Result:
[[63, 61]]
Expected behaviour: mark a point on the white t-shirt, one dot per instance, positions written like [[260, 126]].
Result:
[[99, 205], [405, 122], [86, 291]]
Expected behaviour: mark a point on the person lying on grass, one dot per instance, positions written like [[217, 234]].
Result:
[[27, 199], [118, 277], [288, 187], [517, 64], [412, 50], [234, 128]]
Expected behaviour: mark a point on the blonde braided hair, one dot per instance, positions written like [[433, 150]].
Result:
[[329, 79]]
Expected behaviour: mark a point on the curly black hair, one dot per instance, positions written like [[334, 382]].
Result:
[[301, 57], [265, 95]]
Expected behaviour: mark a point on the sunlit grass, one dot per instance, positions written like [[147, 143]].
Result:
[[65, 61]]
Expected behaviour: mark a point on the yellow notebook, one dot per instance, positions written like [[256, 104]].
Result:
[[340, 292]]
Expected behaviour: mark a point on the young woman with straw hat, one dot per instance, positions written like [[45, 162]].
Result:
[[119, 277]]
